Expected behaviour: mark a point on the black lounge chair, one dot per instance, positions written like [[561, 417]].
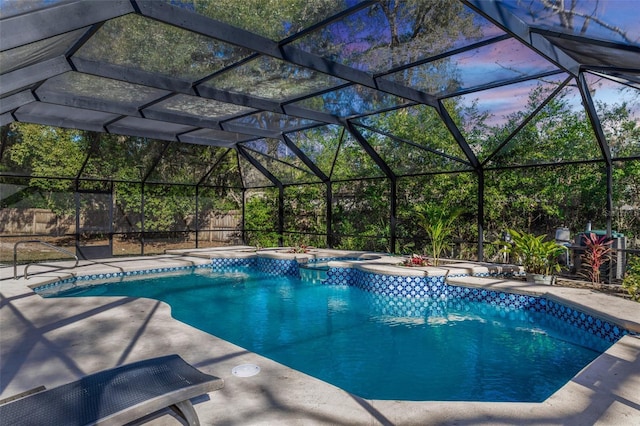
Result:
[[116, 396]]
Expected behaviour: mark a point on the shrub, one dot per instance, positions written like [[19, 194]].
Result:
[[631, 281]]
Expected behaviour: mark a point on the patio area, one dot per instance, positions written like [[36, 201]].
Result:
[[144, 134], [54, 341]]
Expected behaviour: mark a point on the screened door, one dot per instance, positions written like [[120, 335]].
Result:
[[94, 224]]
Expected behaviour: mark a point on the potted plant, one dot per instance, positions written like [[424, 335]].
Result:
[[538, 257]]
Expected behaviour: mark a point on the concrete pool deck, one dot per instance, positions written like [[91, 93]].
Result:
[[54, 341]]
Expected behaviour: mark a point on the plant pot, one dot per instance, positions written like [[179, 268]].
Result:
[[541, 279]]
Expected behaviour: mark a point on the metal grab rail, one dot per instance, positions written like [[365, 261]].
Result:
[[15, 257]]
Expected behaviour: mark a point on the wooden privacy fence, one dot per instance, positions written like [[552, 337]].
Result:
[[15, 221], [215, 226], [223, 226]]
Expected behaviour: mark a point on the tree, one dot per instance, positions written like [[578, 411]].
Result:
[[41, 152], [577, 17]]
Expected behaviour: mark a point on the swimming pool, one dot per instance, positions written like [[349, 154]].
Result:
[[377, 346]]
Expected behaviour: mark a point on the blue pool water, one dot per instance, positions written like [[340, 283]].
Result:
[[459, 350]]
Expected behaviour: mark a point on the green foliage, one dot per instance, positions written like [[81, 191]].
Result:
[[626, 192], [41, 152], [271, 18], [305, 209], [167, 208], [90, 160], [262, 239], [631, 281], [438, 190], [421, 125], [536, 255], [128, 207], [347, 239], [303, 240], [261, 218], [360, 215], [438, 224], [48, 151], [542, 199]]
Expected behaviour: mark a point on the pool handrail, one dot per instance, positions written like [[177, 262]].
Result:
[[15, 257]]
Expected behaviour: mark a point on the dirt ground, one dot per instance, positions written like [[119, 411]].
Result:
[[35, 252], [615, 289]]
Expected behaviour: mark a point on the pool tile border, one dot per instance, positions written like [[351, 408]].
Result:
[[116, 275], [435, 287]]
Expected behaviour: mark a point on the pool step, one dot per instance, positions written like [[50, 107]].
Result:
[[315, 274]]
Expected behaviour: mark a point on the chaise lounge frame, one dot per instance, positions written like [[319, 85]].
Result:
[[116, 396]]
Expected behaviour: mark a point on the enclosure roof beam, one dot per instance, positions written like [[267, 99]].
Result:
[[255, 163], [57, 19], [490, 86], [303, 157], [593, 117], [416, 145], [167, 13], [457, 135], [16, 100], [212, 168], [370, 151], [32, 75], [526, 121]]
